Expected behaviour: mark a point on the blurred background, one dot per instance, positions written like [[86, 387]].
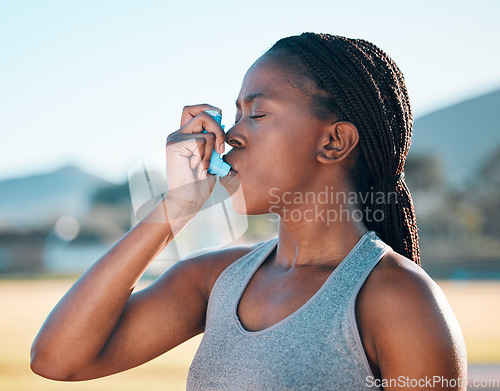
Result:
[[90, 89]]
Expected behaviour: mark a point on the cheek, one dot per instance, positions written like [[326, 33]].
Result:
[[282, 168], [289, 144]]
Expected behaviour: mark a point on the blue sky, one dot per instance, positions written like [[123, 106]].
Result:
[[99, 84]]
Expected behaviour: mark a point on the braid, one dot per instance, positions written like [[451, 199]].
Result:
[[364, 86]]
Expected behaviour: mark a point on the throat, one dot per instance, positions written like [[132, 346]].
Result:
[[321, 250], [272, 296]]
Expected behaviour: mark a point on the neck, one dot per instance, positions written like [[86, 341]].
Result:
[[317, 234]]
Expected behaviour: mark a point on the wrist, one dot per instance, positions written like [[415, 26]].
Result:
[[169, 211], [177, 209]]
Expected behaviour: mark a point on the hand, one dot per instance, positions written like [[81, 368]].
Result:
[[188, 154]]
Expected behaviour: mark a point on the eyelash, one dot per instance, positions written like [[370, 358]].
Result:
[[250, 116]]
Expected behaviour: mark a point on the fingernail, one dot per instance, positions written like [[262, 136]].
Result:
[[221, 148], [204, 174]]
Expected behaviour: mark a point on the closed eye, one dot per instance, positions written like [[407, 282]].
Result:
[[256, 116]]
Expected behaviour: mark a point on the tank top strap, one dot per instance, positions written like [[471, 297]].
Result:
[[317, 347], [358, 264], [233, 277]]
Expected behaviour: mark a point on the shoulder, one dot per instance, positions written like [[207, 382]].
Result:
[[397, 285], [408, 322], [204, 269], [397, 279]]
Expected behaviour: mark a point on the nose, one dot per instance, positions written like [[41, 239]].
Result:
[[235, 137]]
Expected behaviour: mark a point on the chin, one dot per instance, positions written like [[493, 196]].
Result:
[[251, 205], [245, 207], [237, 200]]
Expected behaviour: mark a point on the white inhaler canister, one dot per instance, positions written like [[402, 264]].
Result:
[[217, 165]]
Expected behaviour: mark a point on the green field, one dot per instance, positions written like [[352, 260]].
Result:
[[24, 304]]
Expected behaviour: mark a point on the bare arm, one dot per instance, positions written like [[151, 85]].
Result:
[[77, 333], [98, 328], [409, 329]]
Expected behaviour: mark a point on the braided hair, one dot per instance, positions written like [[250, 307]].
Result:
[[359, 83]]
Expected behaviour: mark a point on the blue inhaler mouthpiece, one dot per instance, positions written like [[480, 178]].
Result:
[[217, 165]]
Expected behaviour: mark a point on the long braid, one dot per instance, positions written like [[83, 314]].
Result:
[[365, 87]]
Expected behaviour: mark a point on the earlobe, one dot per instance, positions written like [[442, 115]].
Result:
[[337, 142]]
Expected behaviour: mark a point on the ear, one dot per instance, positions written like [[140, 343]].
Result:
[[336, 142]]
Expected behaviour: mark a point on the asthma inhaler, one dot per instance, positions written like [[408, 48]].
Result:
[[217, 165]]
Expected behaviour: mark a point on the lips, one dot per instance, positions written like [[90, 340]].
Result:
[[228, 179], [230, 162]]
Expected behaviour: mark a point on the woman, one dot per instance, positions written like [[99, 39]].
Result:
[[322, 131]]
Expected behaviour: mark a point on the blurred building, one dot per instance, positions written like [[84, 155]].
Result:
[[58, 222], [63, 221], [453, 174]]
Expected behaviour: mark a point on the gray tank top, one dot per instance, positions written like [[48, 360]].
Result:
[[317, 347]]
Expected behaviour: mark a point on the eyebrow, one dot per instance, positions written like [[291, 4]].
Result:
[[249, 98]]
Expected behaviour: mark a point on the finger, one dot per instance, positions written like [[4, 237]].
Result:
[[189, 112], [204, 148], [205, 121], [207, 185], [189, 141], [201, 172], [194, 161], [204, 151], [196, 156], [207, 153]]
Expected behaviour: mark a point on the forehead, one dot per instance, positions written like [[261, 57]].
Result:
[[268, 78]]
